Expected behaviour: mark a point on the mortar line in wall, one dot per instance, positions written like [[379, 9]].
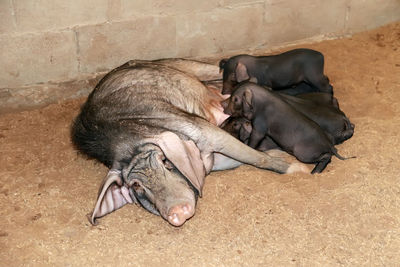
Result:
[[266, 49], [28, 33], [264, 10], [66, 29], [246, 4], [121, 20], [80, 77], [346, 17], [176, 37], [77, 51], [14, 18]]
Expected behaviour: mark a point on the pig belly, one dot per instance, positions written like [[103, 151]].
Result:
[[219, 116], [214, 108]]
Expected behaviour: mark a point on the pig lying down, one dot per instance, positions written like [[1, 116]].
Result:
[[155, 125]]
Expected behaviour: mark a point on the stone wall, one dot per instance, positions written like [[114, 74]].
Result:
[[48, 44]]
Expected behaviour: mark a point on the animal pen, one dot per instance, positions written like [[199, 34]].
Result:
[[53, 53]]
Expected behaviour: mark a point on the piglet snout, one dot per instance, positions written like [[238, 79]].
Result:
[[225, 105], [178, 214]]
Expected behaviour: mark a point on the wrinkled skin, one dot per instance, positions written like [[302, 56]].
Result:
[[278, 71], [155, 125], [271, 116]]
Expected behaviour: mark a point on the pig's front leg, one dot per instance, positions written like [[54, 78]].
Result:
[[255, 138], [209, 138], [222, 162]]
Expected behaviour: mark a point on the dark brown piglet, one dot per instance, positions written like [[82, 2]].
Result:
[[241, 128], [271, 116], [276, 71], [322, 108]]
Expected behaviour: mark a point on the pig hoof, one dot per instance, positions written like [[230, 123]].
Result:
[[179, 214], [298, 167]]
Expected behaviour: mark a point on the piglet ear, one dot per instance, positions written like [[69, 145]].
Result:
[[241, 73], [247, 104], [112, 196], [245, 131], [222, 64], [253, 80], [185, 156], [247, 126]]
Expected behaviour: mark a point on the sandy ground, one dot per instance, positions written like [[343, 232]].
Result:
[[348, 215]]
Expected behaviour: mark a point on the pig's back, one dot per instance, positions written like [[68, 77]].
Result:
[[147, 89]]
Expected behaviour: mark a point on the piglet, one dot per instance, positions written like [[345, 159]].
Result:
[[271, 116], [276, 71], [323, 109], [241, 128]]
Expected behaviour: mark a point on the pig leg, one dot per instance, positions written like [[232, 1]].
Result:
[[349, 130], [301, 88], [320, 81], [255, 138], [346, 133], [267, 143], [222, 162], [209, 138], [323, 162], [335, 102], [222, 142]]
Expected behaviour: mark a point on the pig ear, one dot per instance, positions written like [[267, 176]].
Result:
[[253, 80], [222, 64], [247, 126], [241, 73], [112, 196], [185, 156], [247, 104], [245, 130]]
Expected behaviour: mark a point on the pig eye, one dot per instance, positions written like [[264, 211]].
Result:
[[140, 195], [235, 99], [136, 186], [168, 164]]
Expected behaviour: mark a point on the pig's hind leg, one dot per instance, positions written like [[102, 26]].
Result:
[[322, 163], [321, 82]]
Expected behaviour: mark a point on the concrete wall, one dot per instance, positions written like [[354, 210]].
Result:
[[52, 41]]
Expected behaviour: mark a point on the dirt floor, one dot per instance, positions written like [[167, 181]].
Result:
[[348, 215]]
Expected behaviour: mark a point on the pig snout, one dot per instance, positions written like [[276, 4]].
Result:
[[178, 214], [225, 106], [227, 88]]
